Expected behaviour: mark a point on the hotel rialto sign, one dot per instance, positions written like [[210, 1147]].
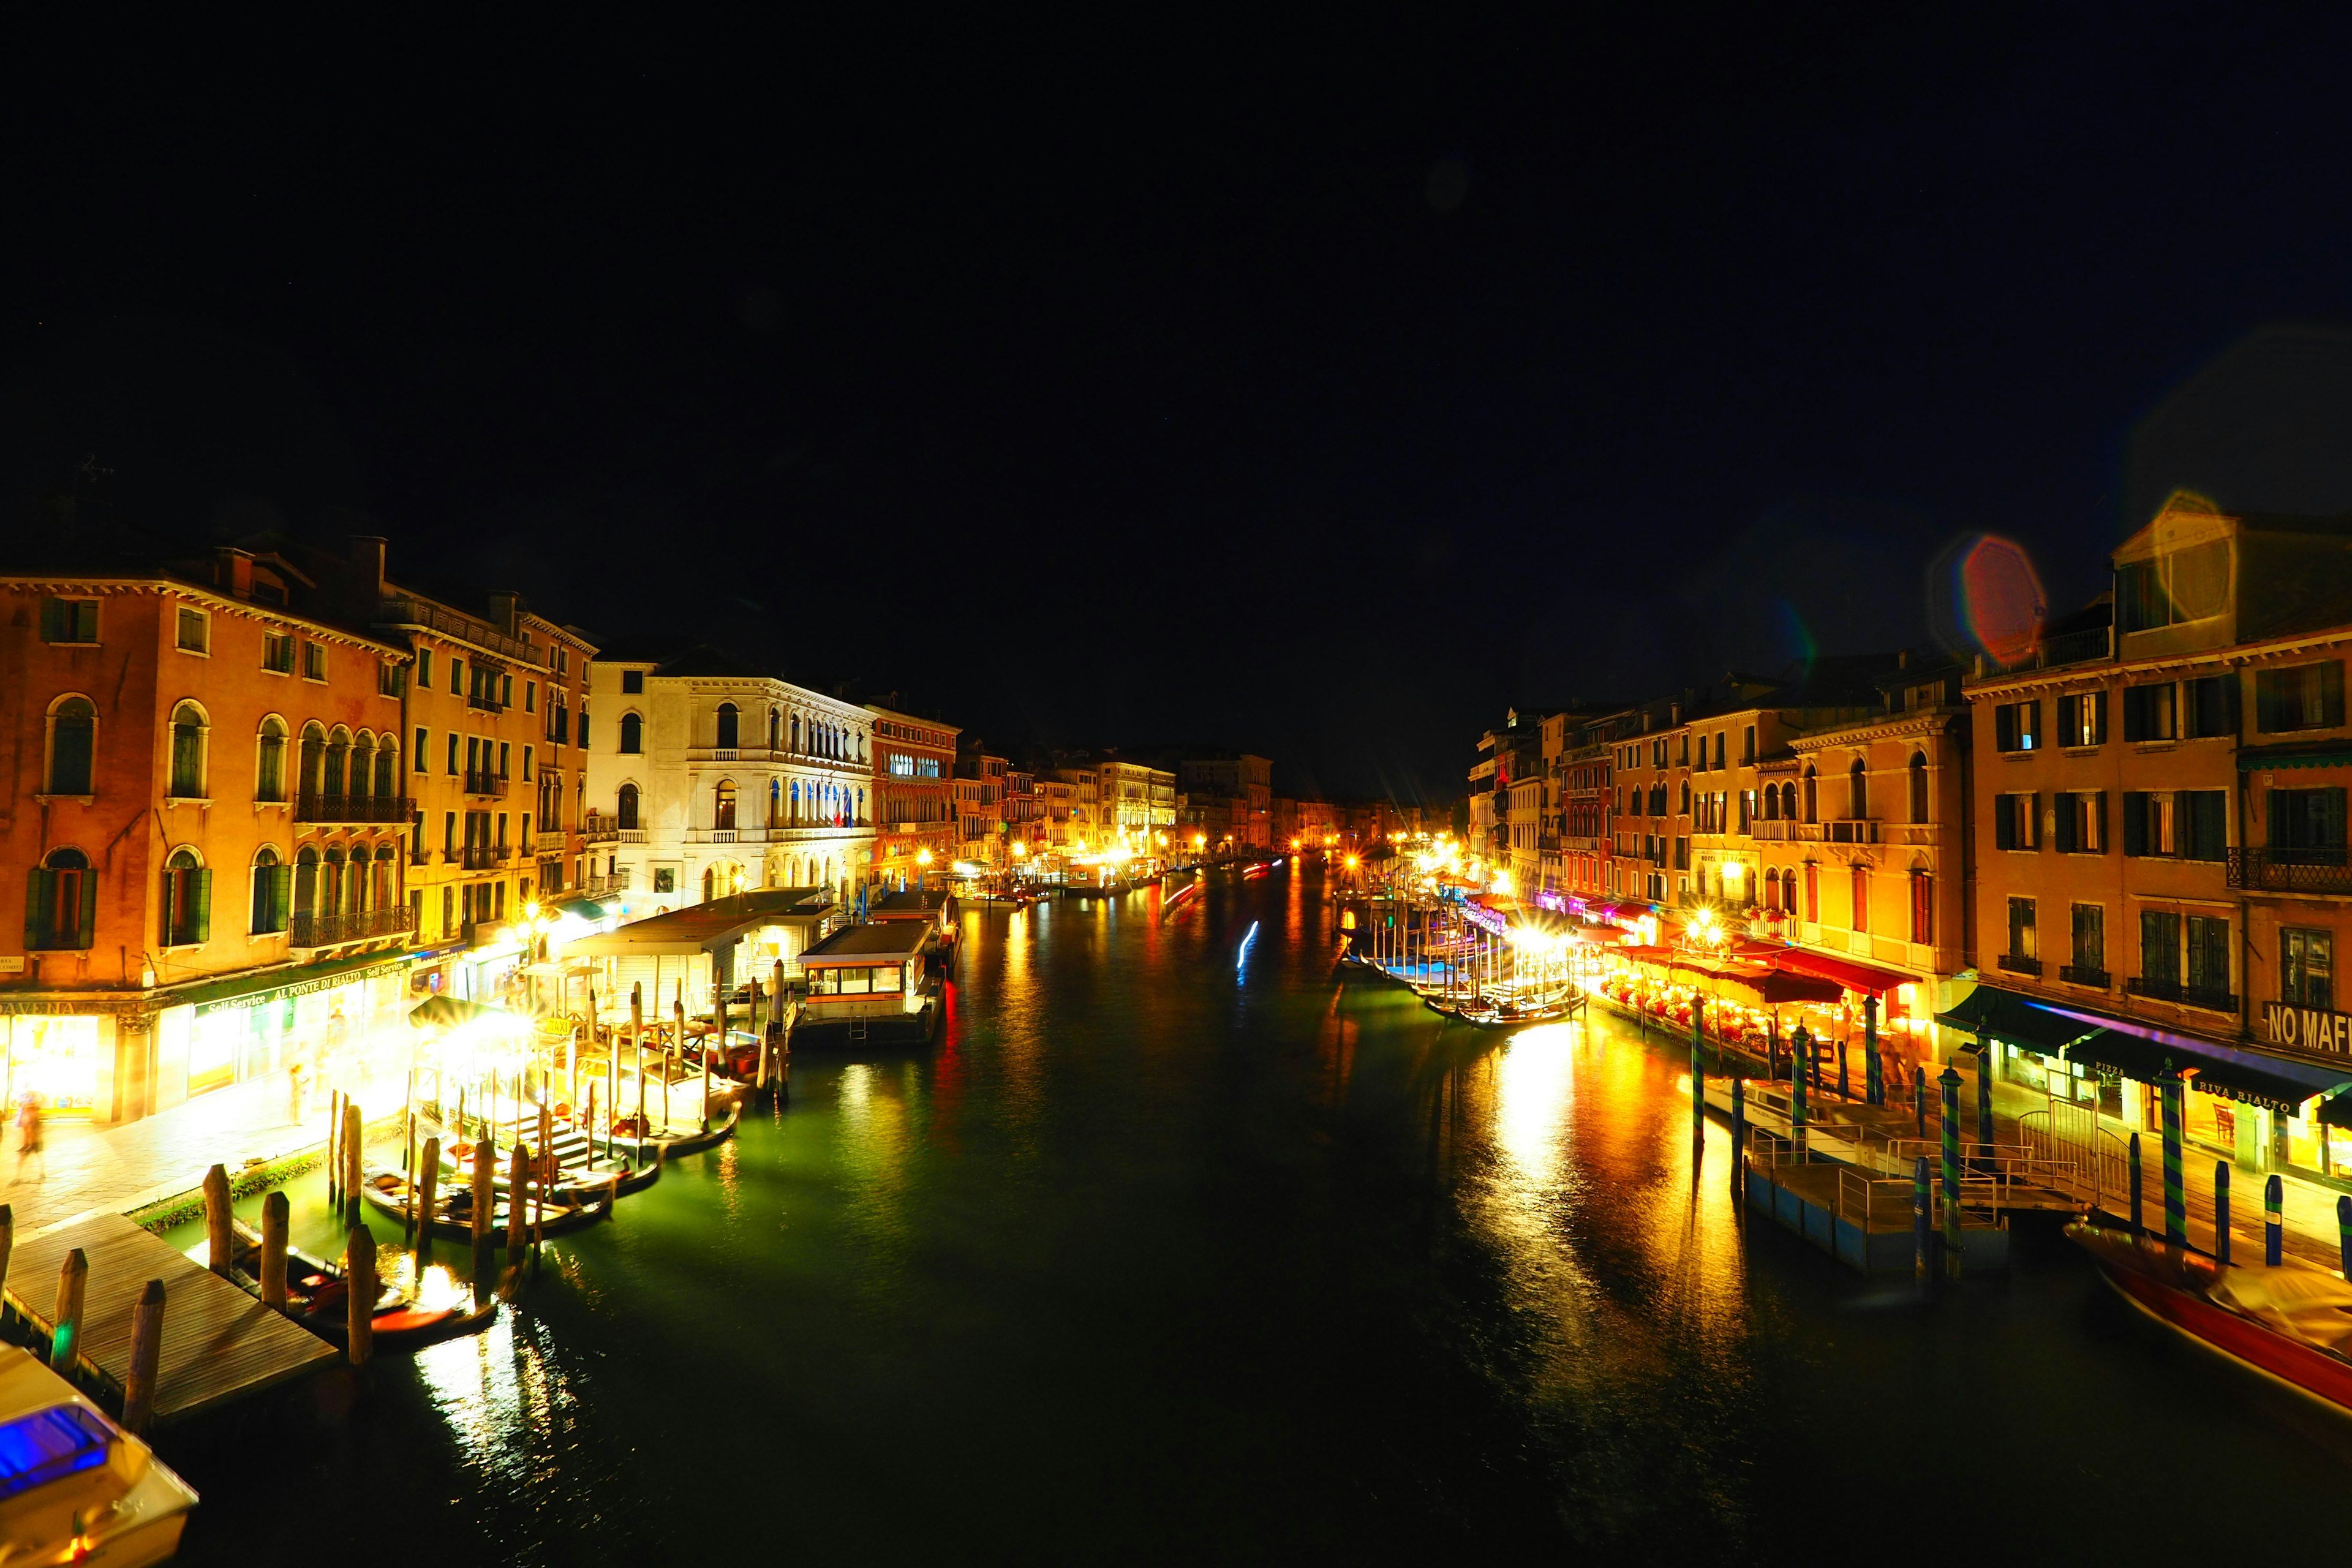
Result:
[[2307, 1028]]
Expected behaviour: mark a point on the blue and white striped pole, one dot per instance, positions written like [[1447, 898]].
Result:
[[2221, 1213], [2273, 1223], [1984, 1097], [1798, 1044], [1951, 1085], [2176, 1190], [1873, 1071]]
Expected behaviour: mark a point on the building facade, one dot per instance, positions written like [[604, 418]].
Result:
[[915, 813]]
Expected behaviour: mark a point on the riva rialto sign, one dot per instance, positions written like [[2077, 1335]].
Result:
[[2307, 1028]]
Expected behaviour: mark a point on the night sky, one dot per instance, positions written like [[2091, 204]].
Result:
[[1317, 394]]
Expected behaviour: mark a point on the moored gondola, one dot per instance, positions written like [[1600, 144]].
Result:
[[565, 1209]]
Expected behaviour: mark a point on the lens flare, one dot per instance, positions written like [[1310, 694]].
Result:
[[2002, 602]]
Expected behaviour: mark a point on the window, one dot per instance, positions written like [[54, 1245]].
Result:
[[457, 675], [69, 620], [526, 762], [61, 903], [505, 754], [1861, 897], [2185, 585], [273, 889], [187, 901], [452, 768], [195, 632], [2083, 720], [531, 696], [314, 661], [2150, 823], [1812, 893], [633, 682], [73, 746], [420, 756], [277, 652], [626, 814], [425, 670], [389, 682], [2090, 944], [2203, 824], [727, 727], [270, 761], [1857, 790], [2151, 712], [2083, 822], [2306, 696], [2016, 726], [2023, 941], [1720, 737], [2017, 821], [632, 734], [2210, 706], [1748, 748], [2159, 952], [187, 753], [2208, 961], [2306, 826], [725, 815], [2307, 968]]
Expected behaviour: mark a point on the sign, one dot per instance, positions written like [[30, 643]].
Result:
[[2307, 1028], [12, 965]]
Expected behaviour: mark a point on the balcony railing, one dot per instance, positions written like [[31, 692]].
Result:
[[481, 781], [483, 703], [485, 856], [2079, 974], [2291, 870], [352, 808], [2075, 648], [630, 834], [547, 843], [2219, 1001], [400, 610], [2015, 964], [598, 886], [600, 832], [1853, 830], [326, 930]]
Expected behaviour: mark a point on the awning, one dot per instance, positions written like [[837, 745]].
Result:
[[2277, 1085], [2324, 754], [1845, 970], [445, 1012], [295, 980], [1994, 1012]]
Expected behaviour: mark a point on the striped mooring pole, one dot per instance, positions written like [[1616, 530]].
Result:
[[1698, 1073], [1844, 1090], [2274, 1224], [1919, 1099], [1796, 1043], [1873, 1071], [2137, 1228], [2176, 1194], [1921, 1202], [1772, 1047], [2344, 1235], [1951, 1086], [1984, 1098], [2221, 1213], [1738, 1125]]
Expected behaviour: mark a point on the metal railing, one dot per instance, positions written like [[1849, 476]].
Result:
[[485, 856], [2050, 653], [2015, 964], [1853, 830], [598, 832], [2084, 1157], [352, 808], [547, 843], [404, 611], [482, 702], [2077, 974], [481, 781], [2291, 870], [326, 930]]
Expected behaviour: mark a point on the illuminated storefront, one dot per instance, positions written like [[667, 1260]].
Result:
[[63, 1061], [321, 1018]]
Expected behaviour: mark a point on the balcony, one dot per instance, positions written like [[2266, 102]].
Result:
[[2291, 870], [481, 781], [484, 857], [1853, 830], [600, 887], [328, 931], [337, 808], [2079, 974], [726, 835], [483, 703], [2014, 964], [2075, 647], [598, 832], [547, 843], [2207, 996]]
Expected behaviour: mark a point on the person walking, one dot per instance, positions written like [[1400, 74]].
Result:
[[28, 1129]]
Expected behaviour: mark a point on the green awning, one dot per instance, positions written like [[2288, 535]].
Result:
[[1995, 1012], [295, 980], [2323, 754], [2279, 1086]]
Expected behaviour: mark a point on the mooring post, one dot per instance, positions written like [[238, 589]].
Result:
[[7, 1245], [2132, 1159], [73, 1283], [486, 1172], [1950, 1081], [1922, 1227], [2273, 1222], [1873, 1072], [2176, 1195], [428, 1180], [1772, 1046], [335, 1147], [220, 1240], [352, 1171], [518, 1193], [1845, 1090], [1984, 1098], [360, 1287], [146, 1353], [1698, 1071], [2344, 1236], [1739, 1126], [2221, 1213], [1798, 1045], [1919, 1099], [275, 1212]]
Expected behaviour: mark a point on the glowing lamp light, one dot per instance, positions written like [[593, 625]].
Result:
[[923, 857]]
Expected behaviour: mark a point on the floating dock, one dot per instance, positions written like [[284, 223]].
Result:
[[219, 1342]]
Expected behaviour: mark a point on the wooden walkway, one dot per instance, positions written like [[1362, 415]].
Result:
[[219, 1342]]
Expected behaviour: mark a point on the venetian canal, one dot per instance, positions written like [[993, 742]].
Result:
[[1179, 1246]]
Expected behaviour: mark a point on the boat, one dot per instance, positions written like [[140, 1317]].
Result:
[[2292, 1323], [667, 1144], [73, 1486], [575, 1169], [386, 1192], [318, 1297]]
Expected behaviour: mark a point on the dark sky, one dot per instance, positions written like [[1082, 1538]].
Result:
[[1318, 393]]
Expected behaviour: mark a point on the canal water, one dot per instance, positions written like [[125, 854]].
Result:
[[1182, 1245]]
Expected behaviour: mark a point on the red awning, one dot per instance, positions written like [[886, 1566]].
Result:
[[1845, 970]]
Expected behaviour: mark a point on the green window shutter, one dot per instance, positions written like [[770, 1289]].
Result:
[[204, 905], [36, 904], [87, 932], [281, 895], [168, 935], [2135, 821]]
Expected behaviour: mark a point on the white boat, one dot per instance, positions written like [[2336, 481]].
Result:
[[75, 1486]]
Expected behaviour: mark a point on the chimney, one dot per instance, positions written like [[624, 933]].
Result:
[[233, 570], [1902, 659], [503, 606], [367, 563]]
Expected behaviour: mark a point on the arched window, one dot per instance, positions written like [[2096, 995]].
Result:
[[1923, 906], [726, 726], [313, 759], [61, 903], [1812, 808], [775, 802], [188, 729], [628, 813], [338, 748], [725, 813], [1857, 792], [861, 806], [793, 796], [1919, 786], [1860, 897], [330, 882], [187, 901], [272, 885], [387, 877], [269, 765], [386, 758], [775, 731], [73, 745], [306, 888], [632, 733], [1789, 803], [1813, 892], [796, 732]]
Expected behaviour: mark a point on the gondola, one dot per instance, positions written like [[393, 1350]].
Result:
[[318, 1297], [670, 1146], [566, 1209], [641, 1173]]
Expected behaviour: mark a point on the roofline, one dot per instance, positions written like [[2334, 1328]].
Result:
[[210, 598]]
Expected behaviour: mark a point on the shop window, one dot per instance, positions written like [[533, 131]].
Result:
[[2210, 706], [61, 903], [73, 746], [2307, 968], [2306, 696], [188, 727], [2305, 826], [2016, 726], [273, 893], [69, 620], [188, 917]]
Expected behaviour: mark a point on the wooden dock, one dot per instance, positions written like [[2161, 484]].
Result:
[[219, 1342]]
